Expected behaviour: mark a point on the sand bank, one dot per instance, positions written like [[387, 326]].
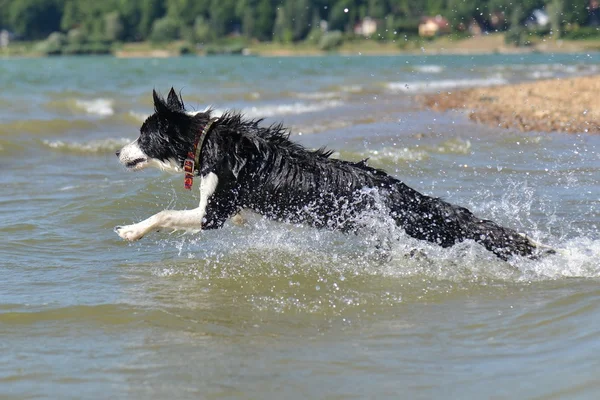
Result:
[[563, 105]]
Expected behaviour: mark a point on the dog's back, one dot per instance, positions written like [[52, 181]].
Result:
[[284, 181]]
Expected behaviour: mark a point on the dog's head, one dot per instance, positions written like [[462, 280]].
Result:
[[164, 139]]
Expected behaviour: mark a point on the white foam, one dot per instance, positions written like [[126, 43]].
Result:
[[317, 95], [139, 115], [287, 109], [429, 69], [444, 84], [541, 74], [352, 88], [100, 107], [94, 146], [264, 110]]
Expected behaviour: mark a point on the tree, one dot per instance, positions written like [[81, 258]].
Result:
[[222, 18], [282, 30], [555, 12], [575, 12], [265, 18], [300, 12], [150, 11], [377, 9], [201, 30], [339, 18], [165, 29], [113, 26], [130, 12], [35, 19]]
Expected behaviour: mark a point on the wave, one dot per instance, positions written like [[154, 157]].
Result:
[[352, 88], [429, 69], [317, 95], [68, 104], [105, 314], [444, 84], [100, 107], [91, 147], [45, 126], [262, 111], [283, 109], [393, 155], [138, 116], [453, 146]]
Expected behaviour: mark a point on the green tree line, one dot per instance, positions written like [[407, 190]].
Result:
[[204, 21]]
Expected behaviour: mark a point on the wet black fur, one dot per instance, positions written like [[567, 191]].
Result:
[[259, 168]]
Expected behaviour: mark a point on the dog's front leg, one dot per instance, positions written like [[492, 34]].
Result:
[[174, 220]]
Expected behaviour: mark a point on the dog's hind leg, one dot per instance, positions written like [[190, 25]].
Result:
[[174, 220]]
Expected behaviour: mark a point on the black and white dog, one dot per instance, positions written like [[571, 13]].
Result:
[[245, 165]]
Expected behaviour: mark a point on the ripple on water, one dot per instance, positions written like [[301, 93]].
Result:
[[109, 145], [56, 126]]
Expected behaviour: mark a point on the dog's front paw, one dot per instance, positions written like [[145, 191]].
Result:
[[129, 232]]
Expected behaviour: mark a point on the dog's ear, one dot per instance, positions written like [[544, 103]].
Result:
[[174, 101], [159, 104]]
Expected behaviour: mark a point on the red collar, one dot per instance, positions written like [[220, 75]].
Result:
[[193, 157]]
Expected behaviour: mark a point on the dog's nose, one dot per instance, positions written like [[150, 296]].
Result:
[[118, 153]]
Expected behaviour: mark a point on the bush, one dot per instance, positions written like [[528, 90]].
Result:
[[97, 48], [165, 30], [235, 48], [588, 32], [410, 26], [515, 36], [52, 45], [73, 49], [331, 41], [201, 30], [315, 35], [187, 48], [539, 31], [75, 36]]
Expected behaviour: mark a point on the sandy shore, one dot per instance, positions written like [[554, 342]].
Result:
[[563, 105]]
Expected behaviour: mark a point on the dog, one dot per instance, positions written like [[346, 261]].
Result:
[[243, 164]]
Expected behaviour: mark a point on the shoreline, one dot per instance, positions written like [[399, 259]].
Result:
[[478, 45], [553, 105]]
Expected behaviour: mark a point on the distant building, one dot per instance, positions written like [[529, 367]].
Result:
[[498, 20], [433, 26], [538, 18], [474, 28], [366, 27], [324, 25]]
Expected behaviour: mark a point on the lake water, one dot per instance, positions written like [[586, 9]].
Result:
[[268, 310]]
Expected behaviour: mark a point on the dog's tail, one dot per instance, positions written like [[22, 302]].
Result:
[[437, 221]]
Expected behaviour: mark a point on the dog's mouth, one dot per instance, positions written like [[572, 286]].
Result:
[[135, 163]]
